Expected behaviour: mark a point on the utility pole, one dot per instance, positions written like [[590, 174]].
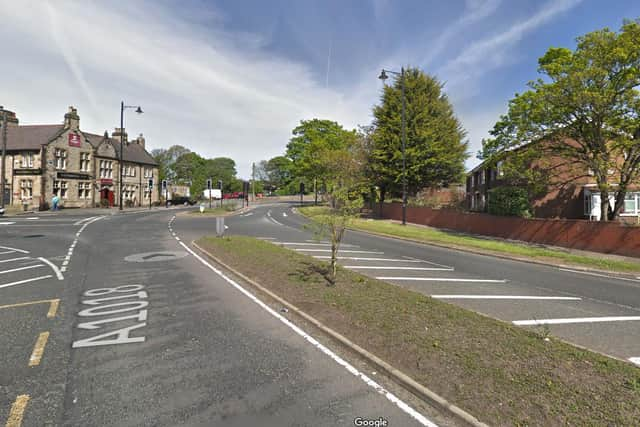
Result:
[[4, 155]]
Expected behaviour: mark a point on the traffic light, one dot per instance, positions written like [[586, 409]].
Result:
[[164, 185], [209, 184], [301, 187], [150, 183]]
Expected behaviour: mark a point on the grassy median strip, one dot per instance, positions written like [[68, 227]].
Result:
[[456, 240], [502, 374], [219, 211]]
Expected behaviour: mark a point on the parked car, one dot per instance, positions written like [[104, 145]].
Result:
[[182, 201]]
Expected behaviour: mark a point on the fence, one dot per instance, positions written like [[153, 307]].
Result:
[[610, 238]]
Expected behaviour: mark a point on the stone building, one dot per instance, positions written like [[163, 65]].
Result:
[[80, 167]]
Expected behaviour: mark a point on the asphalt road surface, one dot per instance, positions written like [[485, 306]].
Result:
[[113, 320], [599, 312]]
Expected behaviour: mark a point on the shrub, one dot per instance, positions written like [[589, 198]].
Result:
[[510, 201], [104, 203]]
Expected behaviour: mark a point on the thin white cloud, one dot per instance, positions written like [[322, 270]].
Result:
[[484, 55], [216, 92]]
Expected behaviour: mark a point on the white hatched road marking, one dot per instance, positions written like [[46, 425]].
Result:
[[443, 279], [524, 297], [391, 397], [15, 259], [366, 259], [376, 267], [14, 249], [599, 275], [635, 360], [33, 279], [55, 269], [574, 320], [344, 251], [22, 268]]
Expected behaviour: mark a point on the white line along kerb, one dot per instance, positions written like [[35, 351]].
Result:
[[391, 397], [67, 258]]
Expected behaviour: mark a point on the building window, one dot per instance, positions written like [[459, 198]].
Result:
[[85, 163], [148, 173], [587, 204], [27, 160], [26, 189], [60, 158], [106, 169], [630, 205], [60, 188], [84, 190], [481, 176]]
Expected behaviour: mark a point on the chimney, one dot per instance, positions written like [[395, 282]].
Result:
[[12, 120], [116, 135], [71, 119], [140, 140]]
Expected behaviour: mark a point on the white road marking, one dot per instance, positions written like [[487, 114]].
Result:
[[284, 214], [366, 259], [14, 259], [83, 220], [343, 251], [391, 397], [428, 262], [314, 244], [525, 297], [226, 227], [67, 258], [441, 279], [14, 249], [266, 238], [32, 218], [6, 223], [574, 320], [55, 269], [375, 267], [599, 275], [33, 279], [635, 360], [22, 268]]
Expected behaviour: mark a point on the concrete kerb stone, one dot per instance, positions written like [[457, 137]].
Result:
[[402, 378]]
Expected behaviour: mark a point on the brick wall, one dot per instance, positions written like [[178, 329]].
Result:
[[578, 234]]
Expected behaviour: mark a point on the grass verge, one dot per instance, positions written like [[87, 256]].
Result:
[[488, 246], [502, 374], [219, 211]]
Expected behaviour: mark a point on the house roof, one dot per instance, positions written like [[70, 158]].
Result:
[[30, 137], [133, 152]]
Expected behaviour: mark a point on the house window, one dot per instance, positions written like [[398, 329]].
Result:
[[148, 173], [85, 162], [133, 171], [587, 204], [27, 160], [630, 205], [106, 169], [60, 158], [84, 190], [60, 188], [26, 189], [481, 176]]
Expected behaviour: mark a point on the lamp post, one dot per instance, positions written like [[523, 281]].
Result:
[[4, 155], [122, 108], [383, 76]]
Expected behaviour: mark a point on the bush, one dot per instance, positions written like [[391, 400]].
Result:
[[509, 201], [104, 203]]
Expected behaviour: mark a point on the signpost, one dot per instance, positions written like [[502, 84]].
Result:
[[301, 192], [166, 195], [220, 188], [209, 188]]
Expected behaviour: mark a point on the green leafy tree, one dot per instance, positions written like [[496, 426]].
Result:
[[585, 110], [311, 142], [275, 173], [435, 146]]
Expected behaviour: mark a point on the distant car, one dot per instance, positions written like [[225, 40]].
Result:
[[182, 201]]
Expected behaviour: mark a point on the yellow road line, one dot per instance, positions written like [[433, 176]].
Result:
[[17, 411], [52, 309], [38, 349]]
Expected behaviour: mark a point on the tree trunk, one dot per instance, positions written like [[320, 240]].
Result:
[[604, 205], [382, 194], [617, 207]]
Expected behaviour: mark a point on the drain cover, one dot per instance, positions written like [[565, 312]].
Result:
[[155, 256]]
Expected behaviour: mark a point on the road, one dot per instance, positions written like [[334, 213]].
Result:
[[598, 312], [113, 320]]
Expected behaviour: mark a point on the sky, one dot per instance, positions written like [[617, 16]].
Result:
[[232, 78]]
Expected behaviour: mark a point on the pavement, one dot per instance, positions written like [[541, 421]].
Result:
[[114, 320]]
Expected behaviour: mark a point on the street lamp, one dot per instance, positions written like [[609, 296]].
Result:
[[383, 76], [122, 108]]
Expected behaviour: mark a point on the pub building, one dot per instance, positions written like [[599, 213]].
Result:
[[80, 167]]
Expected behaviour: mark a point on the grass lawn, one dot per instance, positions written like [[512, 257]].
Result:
[[456, 240], [502, 374]]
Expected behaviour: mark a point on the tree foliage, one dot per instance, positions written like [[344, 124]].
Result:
[[435, 146], [585, 110]]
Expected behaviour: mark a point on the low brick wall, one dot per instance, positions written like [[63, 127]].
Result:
[[610, 238]]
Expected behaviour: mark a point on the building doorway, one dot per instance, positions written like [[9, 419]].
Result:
[[107, 194]]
